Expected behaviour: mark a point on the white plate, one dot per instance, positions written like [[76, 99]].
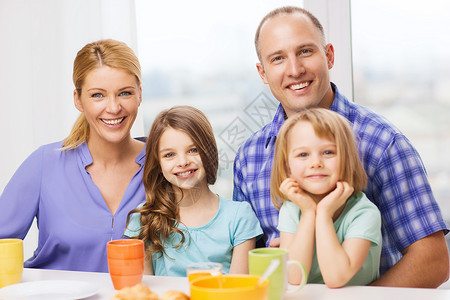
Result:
[[49, 290]]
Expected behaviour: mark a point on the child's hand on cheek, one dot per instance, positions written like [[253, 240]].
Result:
[[335, 199], [292, 191]]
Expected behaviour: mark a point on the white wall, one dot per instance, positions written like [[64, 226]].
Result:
[[334, 15], [39, 41]]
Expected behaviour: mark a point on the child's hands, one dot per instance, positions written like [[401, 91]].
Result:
[[292, 191], [335, 199]]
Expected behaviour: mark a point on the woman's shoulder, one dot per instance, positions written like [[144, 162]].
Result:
[[53, 156], [51, 146], [47, 150]]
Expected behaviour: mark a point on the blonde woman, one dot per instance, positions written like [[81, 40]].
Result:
[[81, 189]]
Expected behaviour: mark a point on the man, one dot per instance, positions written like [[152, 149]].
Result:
[[295, 62]]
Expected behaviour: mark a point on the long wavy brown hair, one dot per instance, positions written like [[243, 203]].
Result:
[[160, 213]]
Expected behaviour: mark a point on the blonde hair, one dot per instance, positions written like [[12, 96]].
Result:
[[160, 213], [326, 124], [94, 55]]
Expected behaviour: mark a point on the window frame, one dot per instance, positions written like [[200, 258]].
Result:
[[335, 17]]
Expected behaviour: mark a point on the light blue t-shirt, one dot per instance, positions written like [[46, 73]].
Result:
[[359, 219], [234, 223]]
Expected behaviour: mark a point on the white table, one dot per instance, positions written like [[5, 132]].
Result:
[[158, 284], [311, 291]]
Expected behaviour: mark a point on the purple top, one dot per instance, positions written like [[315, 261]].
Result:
[[73, 219]]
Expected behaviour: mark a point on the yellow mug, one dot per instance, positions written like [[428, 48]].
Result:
[[11, 261], [229, 287]]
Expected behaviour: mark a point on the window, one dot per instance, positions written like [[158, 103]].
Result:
[[201, 53], [401, 71]]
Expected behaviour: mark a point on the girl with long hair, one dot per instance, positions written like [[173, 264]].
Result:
[[182, 220]]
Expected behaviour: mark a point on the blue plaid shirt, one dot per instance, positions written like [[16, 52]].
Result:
[[397, 183]]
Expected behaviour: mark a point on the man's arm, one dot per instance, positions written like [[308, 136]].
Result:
[[425, 264]]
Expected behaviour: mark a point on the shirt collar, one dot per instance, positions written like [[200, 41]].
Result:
[[339, 105], [85, 154], [275, 125], [87, 160], [140, 159]]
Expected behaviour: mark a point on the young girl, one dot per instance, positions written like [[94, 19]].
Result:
[[182, 220], [325, 220]]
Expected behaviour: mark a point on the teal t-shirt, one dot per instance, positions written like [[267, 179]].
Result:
[[359, 219], [234, 223]]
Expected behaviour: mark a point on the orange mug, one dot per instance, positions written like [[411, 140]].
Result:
[[125, 262]]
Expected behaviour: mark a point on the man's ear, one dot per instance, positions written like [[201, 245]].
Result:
[[77, 101], [330, 55], [261, 72]]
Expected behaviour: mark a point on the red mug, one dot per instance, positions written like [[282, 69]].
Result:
[[125, 262]]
